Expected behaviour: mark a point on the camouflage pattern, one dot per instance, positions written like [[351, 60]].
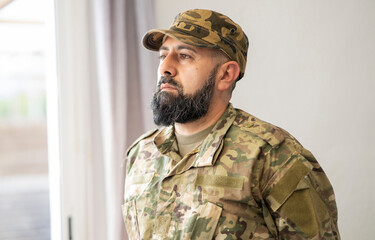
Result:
[[204, 28], [247, 180]]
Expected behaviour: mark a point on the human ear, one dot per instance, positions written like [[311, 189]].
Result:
[[229, 74]]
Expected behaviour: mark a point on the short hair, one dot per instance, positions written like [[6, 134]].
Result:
[[222, 58], [220, 55]]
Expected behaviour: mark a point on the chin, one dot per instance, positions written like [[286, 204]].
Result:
[[166, 97]]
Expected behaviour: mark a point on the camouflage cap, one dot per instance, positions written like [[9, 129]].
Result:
[[204, 28]]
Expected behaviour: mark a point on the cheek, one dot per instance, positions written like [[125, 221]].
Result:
[[192, 81], [194, 77]]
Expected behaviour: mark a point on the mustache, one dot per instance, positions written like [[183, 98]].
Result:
[[170, 80]]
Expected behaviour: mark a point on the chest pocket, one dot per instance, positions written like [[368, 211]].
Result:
[[136, 184], [129, 213], [198, 224]]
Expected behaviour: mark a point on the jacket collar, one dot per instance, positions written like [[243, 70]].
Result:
[[206, 155], [213, 143]]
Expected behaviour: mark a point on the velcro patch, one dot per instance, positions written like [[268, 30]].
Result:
[[220, 181]]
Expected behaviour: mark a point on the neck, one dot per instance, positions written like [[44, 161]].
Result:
[[214, 113]]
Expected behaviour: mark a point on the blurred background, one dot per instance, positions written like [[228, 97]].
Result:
[[24, 197], [74, 77]]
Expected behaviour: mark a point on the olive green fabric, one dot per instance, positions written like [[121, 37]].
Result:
[[219, 181], [204, 28], [285, 187], [187, 143], [247, 180]]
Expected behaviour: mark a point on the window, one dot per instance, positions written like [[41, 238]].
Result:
[[24, 191]]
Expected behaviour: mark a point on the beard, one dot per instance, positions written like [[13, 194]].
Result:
[[183, 108]]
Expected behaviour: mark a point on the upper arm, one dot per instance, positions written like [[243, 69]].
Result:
[[298, 195]]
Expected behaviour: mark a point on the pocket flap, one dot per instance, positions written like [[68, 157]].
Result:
[[140, 178], [202, 226], [136, 184]]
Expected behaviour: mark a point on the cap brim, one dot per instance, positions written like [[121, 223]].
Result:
[[153, 39]]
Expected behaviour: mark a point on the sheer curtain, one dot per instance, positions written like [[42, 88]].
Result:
[[105, 81], [125, 77]]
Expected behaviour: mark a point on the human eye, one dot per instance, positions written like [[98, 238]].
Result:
[[162, 57], [184, 56]]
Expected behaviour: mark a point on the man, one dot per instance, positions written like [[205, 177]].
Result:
[[213, 171]]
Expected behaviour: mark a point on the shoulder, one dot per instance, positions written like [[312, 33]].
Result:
[[280, 146], [146, 137], [269, 133]]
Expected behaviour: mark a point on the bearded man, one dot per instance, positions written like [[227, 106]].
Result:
[[212, 171]]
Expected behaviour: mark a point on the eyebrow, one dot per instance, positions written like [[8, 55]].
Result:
[[179, 47]]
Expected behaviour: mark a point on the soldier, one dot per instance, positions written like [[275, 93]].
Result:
[[213, 171]]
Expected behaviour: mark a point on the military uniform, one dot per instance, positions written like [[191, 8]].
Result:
[[247, 180]]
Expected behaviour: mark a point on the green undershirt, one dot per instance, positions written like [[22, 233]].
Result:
[[187, 143]]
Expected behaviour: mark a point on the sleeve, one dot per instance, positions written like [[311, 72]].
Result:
[[297, 195]]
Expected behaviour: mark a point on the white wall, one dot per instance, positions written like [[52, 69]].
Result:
[[311, 71]]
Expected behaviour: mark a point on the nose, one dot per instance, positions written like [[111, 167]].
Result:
[[167, 66]]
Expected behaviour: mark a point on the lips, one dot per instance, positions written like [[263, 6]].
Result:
[[167, 86]]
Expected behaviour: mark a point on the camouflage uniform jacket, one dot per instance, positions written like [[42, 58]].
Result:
[[247, 180]]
